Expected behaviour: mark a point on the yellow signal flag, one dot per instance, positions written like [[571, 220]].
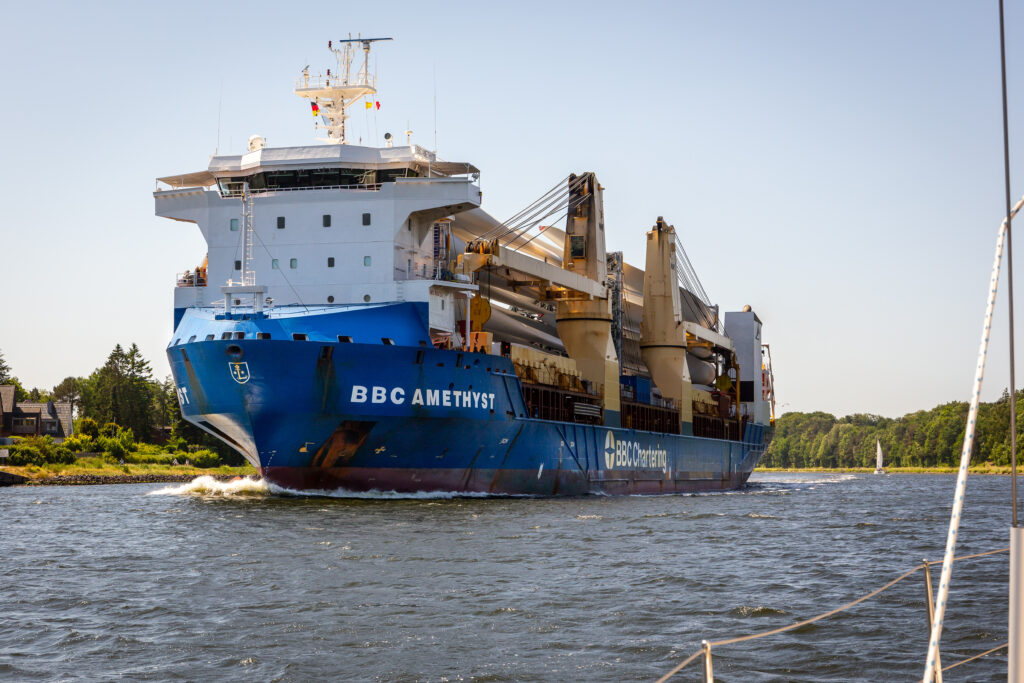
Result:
[[369, 105]]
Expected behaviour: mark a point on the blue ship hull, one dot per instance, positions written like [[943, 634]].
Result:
[[387, 411]]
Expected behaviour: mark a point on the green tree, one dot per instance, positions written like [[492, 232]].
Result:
[[121, 391], [70, 390], [5, 370], [37, 395]]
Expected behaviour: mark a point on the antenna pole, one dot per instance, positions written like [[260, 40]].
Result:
[[435, 107], [1009, 273], [1015, 668]]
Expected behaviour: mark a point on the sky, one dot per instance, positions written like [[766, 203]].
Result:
[[835, 165]]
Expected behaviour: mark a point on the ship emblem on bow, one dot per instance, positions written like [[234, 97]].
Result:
[[239, 371]]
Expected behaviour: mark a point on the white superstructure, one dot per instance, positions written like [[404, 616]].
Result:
[[332, 224]]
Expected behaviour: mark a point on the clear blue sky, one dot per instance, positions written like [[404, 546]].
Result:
[[836, 165]]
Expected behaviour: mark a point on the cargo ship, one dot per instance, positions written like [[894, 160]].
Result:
[[360, 323]]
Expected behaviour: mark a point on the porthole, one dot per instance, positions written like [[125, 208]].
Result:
[[366, 298], [330, 299]]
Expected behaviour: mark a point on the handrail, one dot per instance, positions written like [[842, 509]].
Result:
[[371, 187], [706, 649]]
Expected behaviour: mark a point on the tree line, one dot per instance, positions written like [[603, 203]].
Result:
[[124, 393], [926, 438]]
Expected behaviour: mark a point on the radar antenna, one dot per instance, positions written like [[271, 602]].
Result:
[[332, 94]]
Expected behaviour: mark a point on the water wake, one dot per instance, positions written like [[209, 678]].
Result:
[[208, 486]]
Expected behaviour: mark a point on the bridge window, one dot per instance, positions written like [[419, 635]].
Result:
[[366, 219], [327, 220], [239, 335], [263, 335], [191, 339], [293, 263], [344, 339], [225, 335], [238, 265], [274, 264], [388, 341], [234, 224], [209, 337], [280, 222], [366, 261], [298, 336], [330, 261]]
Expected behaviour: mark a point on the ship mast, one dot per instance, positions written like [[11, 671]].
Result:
[[333, 93]]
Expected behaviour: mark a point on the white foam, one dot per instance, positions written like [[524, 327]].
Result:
[[208, 486]]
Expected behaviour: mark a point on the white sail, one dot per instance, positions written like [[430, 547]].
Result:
[[878, 456]]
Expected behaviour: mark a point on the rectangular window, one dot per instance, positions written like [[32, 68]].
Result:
[[298, 336], [327, 220], [387, 341], [293, 263], [239, 335], [234, 224], [274, 264], [366, 219], [209, 337], [50, 426], [344, 339], [280, 222], [330, 261], [225, 335], [191, 339], [238, 265], [366, 260], [263, 335]]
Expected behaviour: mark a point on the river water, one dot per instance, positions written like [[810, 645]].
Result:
[[220, 582]]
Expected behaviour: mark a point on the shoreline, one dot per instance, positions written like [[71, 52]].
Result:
[[98, 480], [130, 474], [1003, 470]]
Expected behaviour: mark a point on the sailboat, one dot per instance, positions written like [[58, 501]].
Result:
[[878, 458]]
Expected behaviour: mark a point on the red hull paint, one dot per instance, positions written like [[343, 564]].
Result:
[[493, 481]]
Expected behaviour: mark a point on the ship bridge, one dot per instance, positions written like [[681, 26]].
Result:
[[319, 166]]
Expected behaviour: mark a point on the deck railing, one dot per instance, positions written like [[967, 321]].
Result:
[[706, 646]]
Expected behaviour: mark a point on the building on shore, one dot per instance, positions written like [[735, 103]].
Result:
[[27, 418]]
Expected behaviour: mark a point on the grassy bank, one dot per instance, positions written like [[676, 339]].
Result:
[[98, 467], [984, 468]]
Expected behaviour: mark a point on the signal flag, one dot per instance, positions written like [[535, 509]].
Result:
[[316, 109]]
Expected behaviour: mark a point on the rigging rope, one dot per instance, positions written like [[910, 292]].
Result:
[[852, 603], [965, 457]]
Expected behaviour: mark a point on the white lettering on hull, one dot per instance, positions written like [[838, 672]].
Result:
[[630, 455], [446, 398]]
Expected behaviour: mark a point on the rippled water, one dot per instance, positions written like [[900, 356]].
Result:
[[208, 582]]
